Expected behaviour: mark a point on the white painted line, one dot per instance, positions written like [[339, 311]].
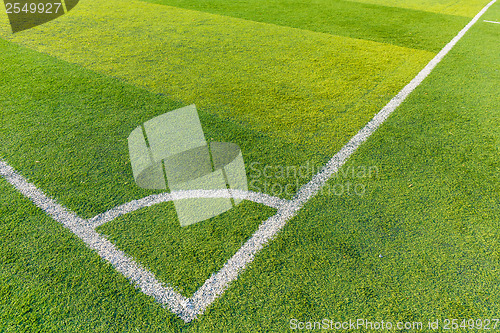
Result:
[[154, 199], [85, 230], [220, 281], [144, 279], [189, 308], [491, 22]]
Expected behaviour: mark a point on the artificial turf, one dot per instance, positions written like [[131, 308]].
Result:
[[420, 244], [376, 21], [451, 7], [319, 103], [185, 257], [298, 86]]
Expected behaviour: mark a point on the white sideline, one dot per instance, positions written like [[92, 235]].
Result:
[[189, 308], [491, 22], [220, 281]]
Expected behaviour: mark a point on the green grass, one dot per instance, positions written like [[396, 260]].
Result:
[[51, 282], [467, 8], [75, 149], [377, 21], [185, 257], [431, 211], [80, 138], [297, 86]]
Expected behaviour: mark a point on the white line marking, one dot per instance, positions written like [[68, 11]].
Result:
[[220, 281], [154, 199], [144, 279], [491, 22], [190, 308], [85, 230]]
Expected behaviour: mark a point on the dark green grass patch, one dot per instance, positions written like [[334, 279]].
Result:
[[403, 27]]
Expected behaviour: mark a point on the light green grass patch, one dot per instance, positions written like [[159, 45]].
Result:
[[65, 128], [414, 29], [299, 86], [467, 8]]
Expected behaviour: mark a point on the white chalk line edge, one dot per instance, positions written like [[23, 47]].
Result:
[[190, 308]]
